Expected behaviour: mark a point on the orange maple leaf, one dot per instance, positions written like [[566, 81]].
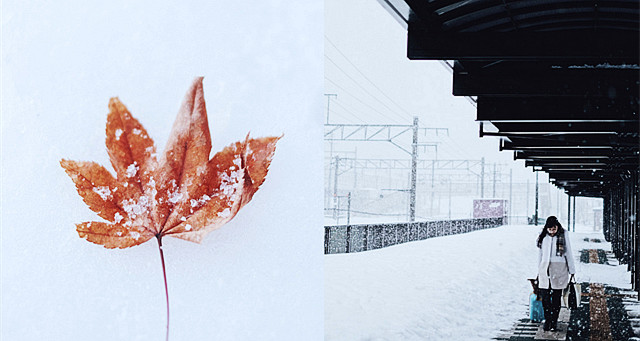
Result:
[[180, 193]]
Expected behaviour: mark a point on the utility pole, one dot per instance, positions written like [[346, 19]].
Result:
[[330, 150], [482, 178], [536, 214], [494, 180], [433, 172], [349, 208], [387, 133], [574, 214], [335, 189], [414, 164], [449, 202], [349, 222], [355, 171], [329, 101], [527, 200], [558, 203], [510, 194], [569, 212]]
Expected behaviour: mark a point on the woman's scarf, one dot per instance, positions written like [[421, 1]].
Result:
[[560, 243]]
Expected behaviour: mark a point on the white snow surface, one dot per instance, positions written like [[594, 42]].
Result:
[[259, 277], [461, 287]]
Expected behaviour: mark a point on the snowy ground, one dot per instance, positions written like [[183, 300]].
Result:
[[463, 287], [262, 64]]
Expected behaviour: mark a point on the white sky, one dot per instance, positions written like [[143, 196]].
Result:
[[367, 67], [362, 38]]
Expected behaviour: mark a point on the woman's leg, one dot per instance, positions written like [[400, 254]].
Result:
[[556, 299], [545, 294]]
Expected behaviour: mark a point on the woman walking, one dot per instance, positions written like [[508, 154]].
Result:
[[555, 264]]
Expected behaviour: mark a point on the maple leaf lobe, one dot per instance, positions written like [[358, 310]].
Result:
[[112, 236], [96, 186]]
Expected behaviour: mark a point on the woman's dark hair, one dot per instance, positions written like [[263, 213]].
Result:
[[551, 221]]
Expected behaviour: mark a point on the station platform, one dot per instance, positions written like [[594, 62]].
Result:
[[606, 313]]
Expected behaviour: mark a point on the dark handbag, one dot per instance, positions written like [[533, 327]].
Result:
[[573, 296]]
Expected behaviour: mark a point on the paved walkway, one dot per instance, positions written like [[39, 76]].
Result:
[[605, 314]]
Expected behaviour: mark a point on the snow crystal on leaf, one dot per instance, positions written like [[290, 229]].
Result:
[[118, 133], [117, 217], [134, 208], [187, 227], [152, 185], [137, 131], [175, 197], [229, 183], [201, 201], [132, 170], [150, 150], [103, 191], [135, 235], [224, 214], [237, 161], [119, 233]]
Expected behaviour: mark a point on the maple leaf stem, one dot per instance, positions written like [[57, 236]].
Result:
[[166, 288]]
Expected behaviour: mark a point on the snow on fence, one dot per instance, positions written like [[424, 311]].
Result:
[[363, 237]]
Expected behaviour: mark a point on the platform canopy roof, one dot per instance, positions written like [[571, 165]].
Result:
[[557, 81]]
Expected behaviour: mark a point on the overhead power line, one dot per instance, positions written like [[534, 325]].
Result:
[[363, 102], [365, 90], [367, 78]]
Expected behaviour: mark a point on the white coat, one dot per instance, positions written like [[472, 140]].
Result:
[[553, 270]]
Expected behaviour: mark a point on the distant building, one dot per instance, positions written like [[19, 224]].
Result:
[[490, 208]]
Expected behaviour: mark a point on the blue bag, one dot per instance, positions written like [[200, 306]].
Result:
[[536, 313]]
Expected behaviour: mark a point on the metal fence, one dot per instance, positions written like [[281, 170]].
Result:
[[357, 238]]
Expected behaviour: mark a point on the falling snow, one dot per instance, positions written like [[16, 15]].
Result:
[[444, 288]]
